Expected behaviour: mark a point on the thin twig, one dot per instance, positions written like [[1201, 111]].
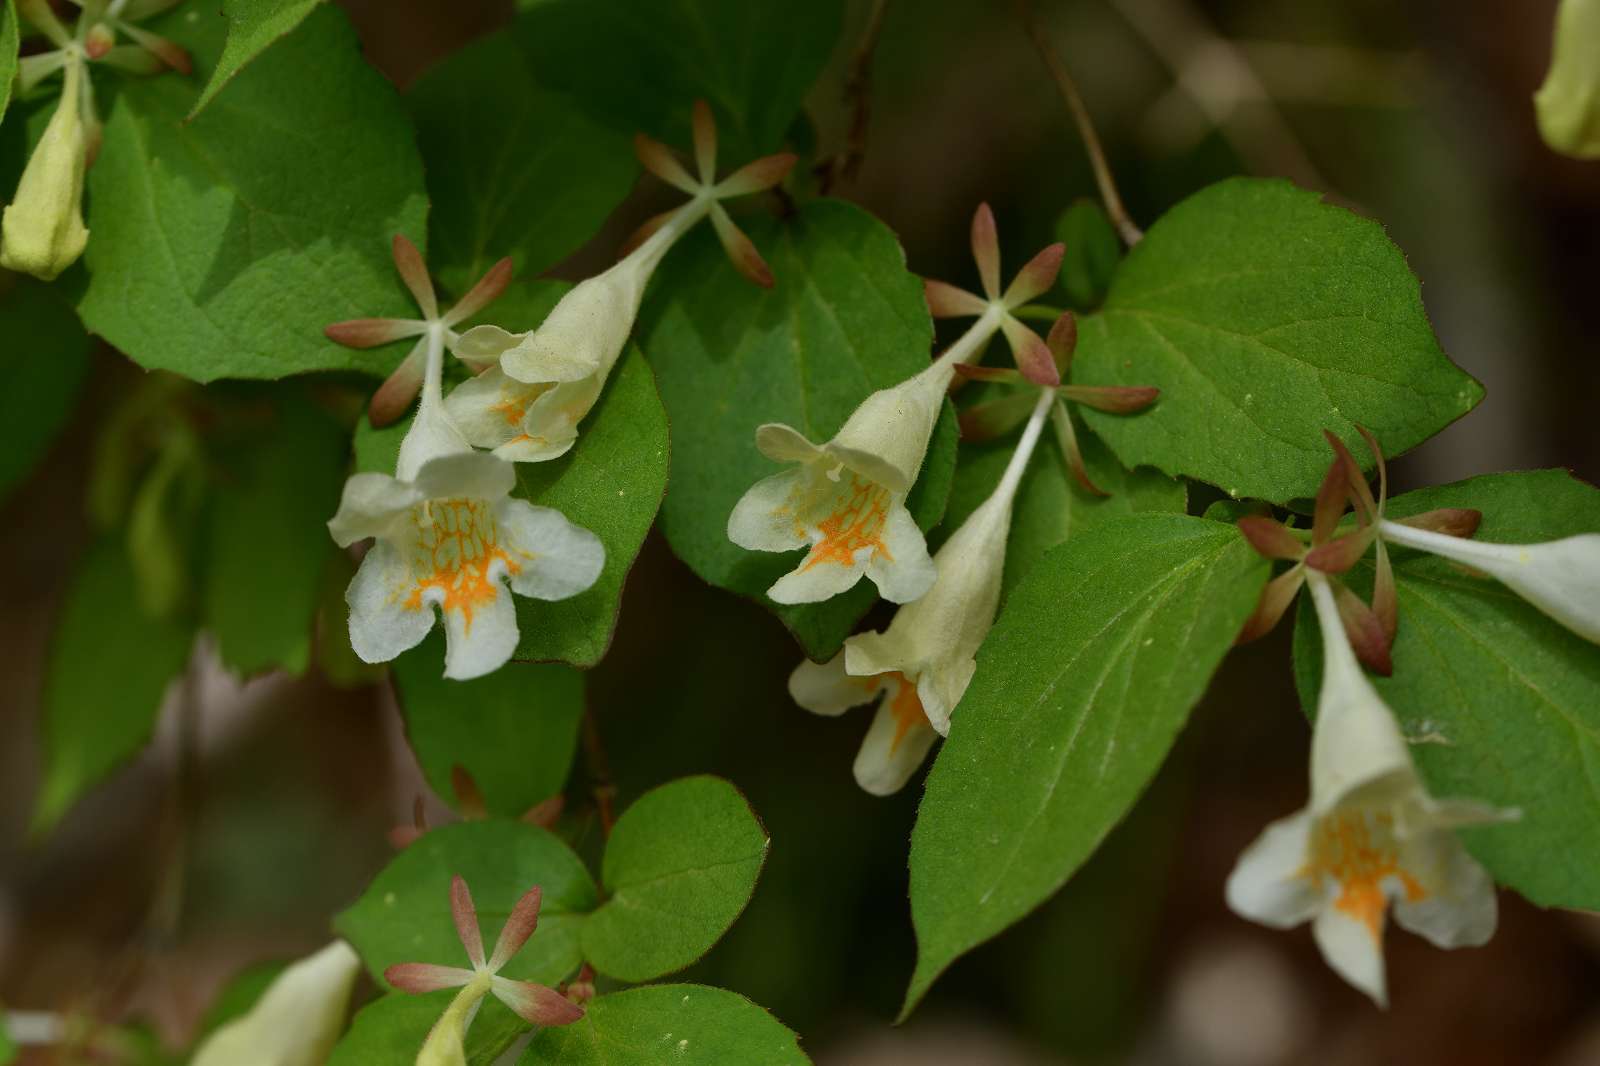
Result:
[[1131, 234], [605, 792], [858, 98]]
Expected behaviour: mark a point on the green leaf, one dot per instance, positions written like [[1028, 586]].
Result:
[[392, 1028], [515, 730], [1501, 703], [222, 247], [1264, 316], [1081, 689], [404, 916], [611, 483], [40, 378], [680, 866], [253, 27], [686, 1025], [1093, 251], [639, 65], [10, 38], [513, 169], [1051, 505], [108, 669], [845, 318], [268, 537]]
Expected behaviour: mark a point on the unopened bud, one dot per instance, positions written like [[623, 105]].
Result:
[[1568, 103], [42, 232]]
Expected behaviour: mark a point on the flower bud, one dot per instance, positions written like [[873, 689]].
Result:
[[1568, 103], [42, 232]]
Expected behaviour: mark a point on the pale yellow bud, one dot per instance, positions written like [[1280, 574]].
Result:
[[1568, 103], [42, 232]]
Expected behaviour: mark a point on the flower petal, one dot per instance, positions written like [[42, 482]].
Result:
[[986, 250], [489, 409], [1031, 353], [465, 915], [1455, 904], [417, 978], [485, 344], [828, 688], [469, 475], [902, 569], [658, 159], [1354, 949], [948, 301], [385, 617], [1268, 884], [814, 581], [488, 289], [764, 518], [414, 272], [555, 558], [755, 176], [296, 1020], [370, 507], [535, 1003], [895, 745], [481, 634], [740, 249], [784, 444], [1035, 278], [519, 927]]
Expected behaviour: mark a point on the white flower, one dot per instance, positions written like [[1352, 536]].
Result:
[[527, 408], [42, 231], [900, 736], [296, 1021], [924, 661], [448, 535], [1568, 103], [1371, 835], [1560, 577], [846, 499]]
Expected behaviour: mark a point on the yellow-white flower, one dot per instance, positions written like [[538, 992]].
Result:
[[296, 1021], [527, 408], [42, 231], [1568, 103], [1560, 577], [846, 497], [449, 536], [924, 661], [1371, 836]]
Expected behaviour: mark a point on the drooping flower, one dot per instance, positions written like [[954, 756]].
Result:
[[924, 661], [846, 498], [296, 1021], [534, 1003], [1568, 103], [42, 231], [449, 536], [1560, 577], [1372, 837], [527, 408], [394, 396]]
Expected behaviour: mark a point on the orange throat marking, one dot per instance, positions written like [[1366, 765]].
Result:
[[857, 522], [456, 545], [1358, 850], [904, 704]]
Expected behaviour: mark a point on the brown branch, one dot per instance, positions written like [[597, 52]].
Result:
[[1131, 234], [605, 793], [858, 98]]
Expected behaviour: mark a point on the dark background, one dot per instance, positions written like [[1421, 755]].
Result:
[[1417, 114]]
